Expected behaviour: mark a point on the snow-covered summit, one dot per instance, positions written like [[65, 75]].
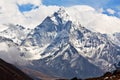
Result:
[[61, 16], [62, 44], [59, 40]]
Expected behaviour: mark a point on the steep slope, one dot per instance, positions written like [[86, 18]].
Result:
[[10, 72], [66, 62], [61, 47], [115, 38], [65, 48]]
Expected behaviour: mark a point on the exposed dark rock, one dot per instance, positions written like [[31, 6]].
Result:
[[10, 72]]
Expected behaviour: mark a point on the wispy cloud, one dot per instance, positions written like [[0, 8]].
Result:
[[110, 11], [11, 54]]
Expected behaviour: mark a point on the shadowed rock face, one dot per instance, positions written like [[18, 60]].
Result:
[[10, 72]]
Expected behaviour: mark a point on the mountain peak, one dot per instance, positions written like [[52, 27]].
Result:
[[61, 16], [61, 10]]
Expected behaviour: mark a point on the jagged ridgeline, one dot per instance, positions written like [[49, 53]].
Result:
[[61, 47]]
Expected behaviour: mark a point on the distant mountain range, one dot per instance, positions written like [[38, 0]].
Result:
[[60, 47]]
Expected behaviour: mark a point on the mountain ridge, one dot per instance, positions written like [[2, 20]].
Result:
[[59, 41], [56, 32]]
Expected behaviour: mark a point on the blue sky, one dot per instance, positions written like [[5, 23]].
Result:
[[26, 7], [94, 19], [105, 4], [93, 3]]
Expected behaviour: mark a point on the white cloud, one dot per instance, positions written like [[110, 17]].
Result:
[[36, 16], [3, 27], [94, 20], [86, 15], [101, 10], [35, 2], [11, 54], [110, 11], [11, 13]]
